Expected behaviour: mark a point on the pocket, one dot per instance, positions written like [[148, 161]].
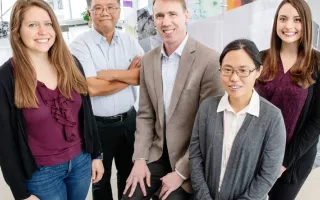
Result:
[[44, 169]]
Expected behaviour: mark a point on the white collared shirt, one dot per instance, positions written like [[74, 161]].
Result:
[[170, 66], [96, 54], [232, 123]]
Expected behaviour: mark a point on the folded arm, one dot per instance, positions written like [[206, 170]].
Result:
[[145, 121], [130, 77], [98, 87]]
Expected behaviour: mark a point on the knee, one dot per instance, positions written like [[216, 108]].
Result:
[[137, 195]]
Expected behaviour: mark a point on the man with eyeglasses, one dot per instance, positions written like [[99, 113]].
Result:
[[111, 61]]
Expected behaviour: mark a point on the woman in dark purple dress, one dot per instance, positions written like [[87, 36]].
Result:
[[290, 80], [49, 143]]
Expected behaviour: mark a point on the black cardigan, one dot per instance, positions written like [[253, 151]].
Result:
[[302, 148], [16, 160]]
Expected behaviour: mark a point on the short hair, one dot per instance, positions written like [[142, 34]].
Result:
[[248, 46], [89, 3], [182, 2]]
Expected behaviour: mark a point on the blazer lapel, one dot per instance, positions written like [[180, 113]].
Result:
[[158, 83], [186, 61]]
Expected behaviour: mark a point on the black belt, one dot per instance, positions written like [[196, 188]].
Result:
[[116, 118]]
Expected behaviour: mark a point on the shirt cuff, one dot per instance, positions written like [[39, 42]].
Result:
[[140, 159], [183, 177], [99, 157]]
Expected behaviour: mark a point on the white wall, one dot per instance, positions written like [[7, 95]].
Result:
[[315, 6]]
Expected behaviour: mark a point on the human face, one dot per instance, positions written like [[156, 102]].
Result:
[[36, 30], [289, 25], [105, 21], [239, 87], [170, 20]]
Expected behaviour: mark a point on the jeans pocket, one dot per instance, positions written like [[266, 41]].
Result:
[[43, 180]]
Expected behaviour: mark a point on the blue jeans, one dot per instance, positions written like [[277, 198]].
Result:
[[67, 181]]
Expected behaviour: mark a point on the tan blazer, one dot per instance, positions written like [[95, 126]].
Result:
[[197, 78]]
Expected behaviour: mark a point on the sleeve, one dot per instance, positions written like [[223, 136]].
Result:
[[271, 162], [210, 83], [198, 182], [80, 49], [138, 48], [96, 152], [145, 121], [95, 135], [10, 161], [210, 86], [140, 52], [302, 141]]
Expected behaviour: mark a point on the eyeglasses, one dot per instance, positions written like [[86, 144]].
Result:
[[240, 72], [98, 10]]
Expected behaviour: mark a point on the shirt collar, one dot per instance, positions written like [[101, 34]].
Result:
[[179, 49], [98, 38], [253, 108]]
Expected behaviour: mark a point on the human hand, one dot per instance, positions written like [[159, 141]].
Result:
[[139, 172], [136, 63], [97, 170], [32, 197], [170, 183], [281, 171]]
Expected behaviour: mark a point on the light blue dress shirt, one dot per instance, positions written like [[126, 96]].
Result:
[[170, 66], [96, 54], [169, 69]]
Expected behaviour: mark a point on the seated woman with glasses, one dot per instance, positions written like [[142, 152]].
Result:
[[238, 139]]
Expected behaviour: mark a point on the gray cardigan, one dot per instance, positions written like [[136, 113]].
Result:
[[255, 159]]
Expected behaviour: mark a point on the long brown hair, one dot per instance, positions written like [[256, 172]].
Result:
[[69, 76], [302, 70]]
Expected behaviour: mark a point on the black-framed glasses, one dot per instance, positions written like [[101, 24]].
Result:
[[98, 10], [226, 71]]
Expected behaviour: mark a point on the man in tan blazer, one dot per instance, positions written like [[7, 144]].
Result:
[[174, 79]]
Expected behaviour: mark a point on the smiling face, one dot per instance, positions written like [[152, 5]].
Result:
[[289, 27], [36, 30], [170, 19], [105, 21], [238, 87]]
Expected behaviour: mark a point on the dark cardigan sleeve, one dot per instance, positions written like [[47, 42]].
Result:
[[271, 160], [199, 184], [309, 133], [10, 160], [96, 151]]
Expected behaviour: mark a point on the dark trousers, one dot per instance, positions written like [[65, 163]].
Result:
[[285, 191], [117, 140], [158, 169]]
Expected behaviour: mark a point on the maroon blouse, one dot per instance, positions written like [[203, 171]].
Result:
[[287, 96], [53, 129]]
